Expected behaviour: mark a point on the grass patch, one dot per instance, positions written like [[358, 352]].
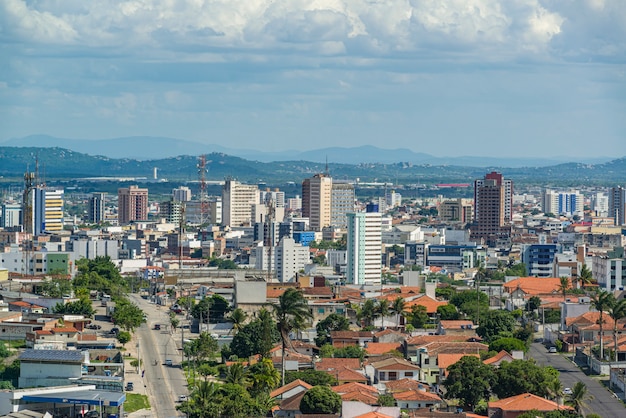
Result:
[[17, 343], [135, 402]]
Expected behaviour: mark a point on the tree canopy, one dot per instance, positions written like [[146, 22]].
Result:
[[496, 323], [333, 322], [320, 400]]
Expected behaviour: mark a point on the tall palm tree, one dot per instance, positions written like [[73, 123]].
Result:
[[564, 285], [585, 277], [601, 301], [383, 311], [397, 307], [579, 397], [368, 312], [238, 317], [555, 391], [291, 312], [616, 311], [237, 375]]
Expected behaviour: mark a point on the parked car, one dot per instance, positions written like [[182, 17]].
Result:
[[182, 398], [169, 362], [157, 326], [94, 326], [115, 330], [567, 391], [130, 387], [552, 349]]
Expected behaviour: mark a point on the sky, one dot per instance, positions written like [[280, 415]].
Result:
[[500, 78]]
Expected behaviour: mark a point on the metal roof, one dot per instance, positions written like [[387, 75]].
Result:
[[81, 397], [74, 356]]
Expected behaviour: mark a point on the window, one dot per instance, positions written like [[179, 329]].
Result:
[[408, 374], [393, 375]]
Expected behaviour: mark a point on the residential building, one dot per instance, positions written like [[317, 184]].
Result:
[[47, 210], [237, 201], [617, 205], [11, 215], [455, 258], [96, 208], [132, 204], [342, 202], [610, 269], [600, 204], [210, 211], [364, 248], [516, 405], [172, 211], [563, 203], [493, 201], [316, 200], [290, 258], [539, 259], [457, 210], [181, 194]]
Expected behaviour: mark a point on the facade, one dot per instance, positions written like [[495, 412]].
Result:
[[47, 210], [276, 195], [539, 259], [610, 270], [316, 200], [172, 211], [181, 194], [493, 202], [132, 204], [563, 203], [213, 210], [290, 258], [96, 208], [455, 258], [364, 249], [237, 202], [617, 205], [457, 210], [600, 204], [342, 202], [11, 215]]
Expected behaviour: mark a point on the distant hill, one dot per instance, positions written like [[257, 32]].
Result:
[[144, 148], [60, 163]]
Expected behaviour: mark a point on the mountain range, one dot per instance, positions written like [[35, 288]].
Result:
[[144, 148]]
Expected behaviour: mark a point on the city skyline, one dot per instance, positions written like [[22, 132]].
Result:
[[483, 77]]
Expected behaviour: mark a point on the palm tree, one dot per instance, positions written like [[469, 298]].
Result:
[[238, 317], [291, 312], [585, 276], [616, 311], [564, 285], [555, 390], [579, 397], [397, 307], [383, 311], [237, 375], [368, 312], [601, 301], [480, 274]]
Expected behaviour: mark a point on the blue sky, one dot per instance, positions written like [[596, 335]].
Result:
[[446, 77]]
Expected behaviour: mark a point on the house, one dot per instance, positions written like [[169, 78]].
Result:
[[389, 336], [458, 327], [63, 336], [585, 329], [345, 370], [340, 339], [26, 307], [523, 288], [289, 407], [290, 389], [499, 358], [516, 405], [416, 399], [445, 360], [373, 350], [352, 409], [49, 367], [393, 369]]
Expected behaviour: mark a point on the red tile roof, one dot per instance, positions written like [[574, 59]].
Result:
[[526, 402], [445, 360], [394, 363], [403, 385], [502, 355], [367, 398], [533, 286], [353, 387], [416, 395], [336, 363], [374, 349], [289, 386], [429, 303]]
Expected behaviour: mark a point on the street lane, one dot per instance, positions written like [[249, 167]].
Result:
[[603, 403], [164, 384]]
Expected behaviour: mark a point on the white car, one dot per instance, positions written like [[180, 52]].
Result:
[[182, 398], [552, 350], [567, 391]]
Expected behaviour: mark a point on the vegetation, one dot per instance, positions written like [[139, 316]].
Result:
[[127, 315], [312, 377], [333, 322], [256, 337], [100, 274], [135, 402], [320, 400], [213, 309]]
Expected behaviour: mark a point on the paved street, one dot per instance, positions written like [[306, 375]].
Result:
[[604, 403], [164, 384]]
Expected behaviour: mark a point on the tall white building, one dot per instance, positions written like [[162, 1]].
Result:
[[364, 248], [284, 260], [237, 201], [276, 195], [563, 203], [96, 209], [11, 214], [600, 204], [181, 194], [47, 210]]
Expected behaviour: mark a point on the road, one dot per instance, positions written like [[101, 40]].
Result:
[[603, 403], [164, 384]]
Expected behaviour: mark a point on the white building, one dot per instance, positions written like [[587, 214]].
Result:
[[610, 270], [600, 204], [237, 201], [563, 203], [181, 194], [364, 248], [11, 213], [285, 259]]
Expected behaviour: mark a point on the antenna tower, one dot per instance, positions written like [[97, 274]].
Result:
[[204, 198]]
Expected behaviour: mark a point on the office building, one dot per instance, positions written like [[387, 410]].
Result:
[[11, 215], [493, 202], [132, 204], [600, 204], [47, 210], [364, 248], [563, 203], [96, 208], [181, 194], [237, 201], [316, 201], [342, 202], [457, 210], [539, 259], [278, 197], [617, 205]]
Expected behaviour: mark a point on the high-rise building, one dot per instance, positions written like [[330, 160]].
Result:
[[284, 259], [617, 205], [316, 200], [47, 210], [600, 204], [364, 248], [11, 215], [96, 211], [172, 211], [342, 202], [278, 197], [181, 194], [457, 210], [132, 204], [493, 203], [563, 203], [237, 201]]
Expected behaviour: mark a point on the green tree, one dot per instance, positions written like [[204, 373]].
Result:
[[585, 276], [383, 310], [579, 397], [123, 337], [55, 288], [174, 321], [397, 307], [312, 377], [333, 322], [82, 306], [367, 312], [418, 316], [533, 303], [521, 376], [508, 344], [320, 400], [601, 301], [386, 400], [617, 311], [127, 315], [211, 309], [236, 374], [470, 381], [238, 317], [202, 348], [264, 377], [291, 312], [327, 351], [447, 312], [351, 351], [495, 323], [564, 286], [256, 337]]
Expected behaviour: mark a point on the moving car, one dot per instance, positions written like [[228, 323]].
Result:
[[182, 398], [168, 362], [552, 350], [157, 326], [567, 391], [130, 387]]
